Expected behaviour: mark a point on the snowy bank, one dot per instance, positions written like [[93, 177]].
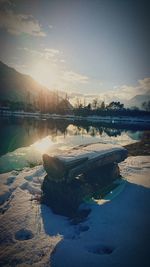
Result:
[[116, 232], [127, 120]]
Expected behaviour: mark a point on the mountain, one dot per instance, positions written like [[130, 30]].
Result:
[[138, 100], [25, 91], [15, 86]]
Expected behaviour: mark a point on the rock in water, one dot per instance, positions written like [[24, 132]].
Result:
[[78, 174]]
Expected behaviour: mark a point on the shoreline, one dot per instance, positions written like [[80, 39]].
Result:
[[115, 228], [141, 148], [114, 120]]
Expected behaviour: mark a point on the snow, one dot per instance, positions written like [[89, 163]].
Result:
[[32, 155], [23, 238], [92, 151], [116, 232]]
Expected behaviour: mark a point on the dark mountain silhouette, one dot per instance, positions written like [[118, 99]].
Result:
[[17, 87], [20, 88]]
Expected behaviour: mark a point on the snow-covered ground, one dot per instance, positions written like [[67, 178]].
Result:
[[116, 232]]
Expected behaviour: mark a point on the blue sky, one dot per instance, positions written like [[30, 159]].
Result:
[[88, 47]]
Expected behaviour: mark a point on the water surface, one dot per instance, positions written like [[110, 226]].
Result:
[[23, 141]]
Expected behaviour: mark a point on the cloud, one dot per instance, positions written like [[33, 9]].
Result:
[[62, 60], [32, 51], [71, 76], [75, 94], [126, 92], [50, 26], [145, 84], [122, 93], [20, 23], [88, 96], [50, 53]]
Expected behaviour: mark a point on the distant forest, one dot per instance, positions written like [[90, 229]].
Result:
[[42, 103], [63, 106], [112, 109]]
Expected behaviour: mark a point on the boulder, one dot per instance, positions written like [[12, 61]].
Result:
[[79, 174], [65, 197], [82, 159]]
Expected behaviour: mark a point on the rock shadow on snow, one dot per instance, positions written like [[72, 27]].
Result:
[[119, 250]]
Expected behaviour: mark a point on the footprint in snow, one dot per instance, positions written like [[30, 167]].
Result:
[[23, 234], [28, 178], [10, 180], [35, 179], [76, 232], [83, 228], [30, 188], [100, 249], [14, 172]]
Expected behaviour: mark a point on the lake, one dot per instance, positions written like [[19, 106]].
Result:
[[24, 140]]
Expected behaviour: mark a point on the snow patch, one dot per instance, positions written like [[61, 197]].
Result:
[[32, 235], [30, 188]]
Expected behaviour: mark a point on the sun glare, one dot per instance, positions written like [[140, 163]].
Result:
[[45, 74], [43, 145]]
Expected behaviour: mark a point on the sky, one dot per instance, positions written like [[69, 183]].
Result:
[[87, 48]]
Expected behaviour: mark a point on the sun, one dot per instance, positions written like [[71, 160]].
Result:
[[46, 74]]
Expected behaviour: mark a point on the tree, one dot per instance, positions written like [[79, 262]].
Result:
[[84, 103], [115, 105], [134, 108], [41, 101], [28, 98], [95, 103], [66, 97], [89, 106], [102, 106], [78, 103], [146, 105]]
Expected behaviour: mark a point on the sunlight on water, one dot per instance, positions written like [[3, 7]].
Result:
[[32, 155], [34, 138], [43, 145]]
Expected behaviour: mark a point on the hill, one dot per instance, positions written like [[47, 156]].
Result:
[[20, 91], [137, 100]]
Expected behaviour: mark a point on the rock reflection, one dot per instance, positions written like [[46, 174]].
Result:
[[21, 132]]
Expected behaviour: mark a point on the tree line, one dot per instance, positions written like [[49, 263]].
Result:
[[114, 108], [53, 103], [43, 103]]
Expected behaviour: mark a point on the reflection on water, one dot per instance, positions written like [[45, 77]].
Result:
[[28, 139], [43, 145]]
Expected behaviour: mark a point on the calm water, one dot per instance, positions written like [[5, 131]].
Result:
[[23, 141]]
